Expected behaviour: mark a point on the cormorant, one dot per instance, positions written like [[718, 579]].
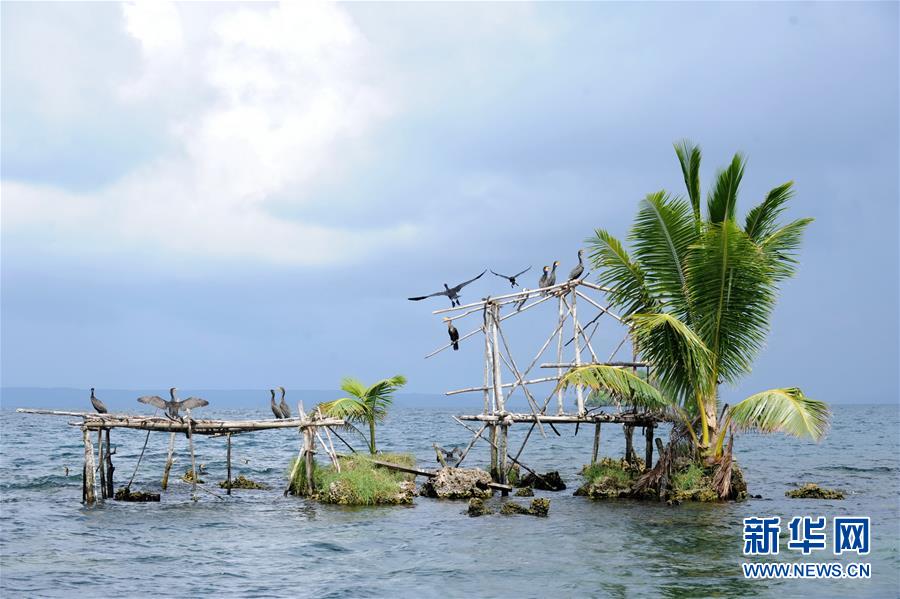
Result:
[[173, 406], [274, 407], [451, 292], [512, 279], [454, 334], [579, 268], [98, 405], [545, 278], [551, 279], [285, 409]]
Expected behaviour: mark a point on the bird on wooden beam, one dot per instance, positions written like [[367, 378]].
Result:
[[173, 406], [454, 334], [285, 409], [450, 292], [98, 405], [512, 278], [274, 406], [551, 279], [579, 268]]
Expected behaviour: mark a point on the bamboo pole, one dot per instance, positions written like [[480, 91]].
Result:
[[511, 364], [469, 446], [494, 446], [110, 469], [579, 392], [87, 481], [510, 297], [193, 462], [228, 460], [495, 360], [560, 409], [544, 379], [599, 307], [170, 459], [488, 407], [596, 452], [101, 465]]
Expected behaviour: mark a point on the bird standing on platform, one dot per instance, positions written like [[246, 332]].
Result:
[[551, 279], [579, 268], [543, 281], [274, 406], [454, 334], [450, 292], [512, 279], [285, 409], [98, 405], [173, 406]]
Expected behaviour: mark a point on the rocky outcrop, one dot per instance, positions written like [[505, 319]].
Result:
[[458, 483], [525, 492], [814, 491], [550, 481], [478, 508], [539, 507]]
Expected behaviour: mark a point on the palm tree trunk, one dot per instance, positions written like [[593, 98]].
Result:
[[372, 436]]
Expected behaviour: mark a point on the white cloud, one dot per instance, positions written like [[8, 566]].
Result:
[[259, 100]]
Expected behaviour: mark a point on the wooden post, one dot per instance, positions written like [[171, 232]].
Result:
[[110, 485], [495, 359], [170, 459], [101, 463], [87, 482], [228, 461], [495, 463], [648, 451], [309, 456], [193, 463], [488, 408], [629, 443], [579, 392], [596, 451], [560, 409]]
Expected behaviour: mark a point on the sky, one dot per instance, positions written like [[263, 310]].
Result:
[[237, 196]]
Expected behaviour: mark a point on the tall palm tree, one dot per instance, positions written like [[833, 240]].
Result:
[[364, 404], [699, 293]]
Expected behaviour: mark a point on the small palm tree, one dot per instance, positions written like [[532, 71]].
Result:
[[364, 404]]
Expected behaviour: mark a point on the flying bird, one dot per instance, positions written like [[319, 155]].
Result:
[[98, 405], [512, 279], [579, 268], [274, 406], [454, 334], [173, 406], [285, 409], [451, 292]]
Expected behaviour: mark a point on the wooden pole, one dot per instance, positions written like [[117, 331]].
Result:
[[488, 409], [579, 393], [629, 443], [469, 446], [228, 460], [87, 482], [101, 464], [495, 456], [648, 450], [110, 485], [559, 345], [596, 452], [193, 462], [495, 360], [170, 459], [310, 459]]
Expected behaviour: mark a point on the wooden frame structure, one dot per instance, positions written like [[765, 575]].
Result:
[[497, 415]]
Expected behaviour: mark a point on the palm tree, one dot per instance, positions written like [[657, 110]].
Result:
[[699, 293], [365, 404]]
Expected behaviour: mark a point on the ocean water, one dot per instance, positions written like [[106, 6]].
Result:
[[259, 543]]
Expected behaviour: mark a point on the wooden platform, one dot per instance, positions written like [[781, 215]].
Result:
[[638, 419]]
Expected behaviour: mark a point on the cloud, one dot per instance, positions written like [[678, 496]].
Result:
[[258, 102]]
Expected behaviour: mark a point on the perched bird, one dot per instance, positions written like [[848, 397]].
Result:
[[274, 406], [173, 406], [545, 278], [454, 334], [551, 279], [447, 454], [285, 409], [579, 268], [523, 300], [98, 405], [451, 292], [512, 279]]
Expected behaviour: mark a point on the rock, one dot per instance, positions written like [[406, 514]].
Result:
[[814, 491], [126, 494], [242, 482], [511, 508], [525, 492], [540, 507], [738, 484], [188, 476], [458, 483], [407, 492], [477, 508], [551, 481]]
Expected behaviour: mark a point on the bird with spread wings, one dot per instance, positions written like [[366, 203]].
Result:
[[450, 292], [173, 406]]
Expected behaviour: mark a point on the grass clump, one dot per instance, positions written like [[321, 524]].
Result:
[[360, 481], [608, 479], [689, 479]]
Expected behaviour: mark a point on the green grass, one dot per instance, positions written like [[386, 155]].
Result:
[[360, 482], [608, 468], [689, 479]]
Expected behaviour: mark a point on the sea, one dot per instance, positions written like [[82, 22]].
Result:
[[259, 543]]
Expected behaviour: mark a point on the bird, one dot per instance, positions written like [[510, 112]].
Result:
[[524, 299], [274, 406], [551, 278], [545, 278], [579, 268], [285, 409], [454, 334], [512, 279], [98, 405], [173, 406], [451, 292]]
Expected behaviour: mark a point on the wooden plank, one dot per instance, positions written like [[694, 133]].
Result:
[[417, 472]]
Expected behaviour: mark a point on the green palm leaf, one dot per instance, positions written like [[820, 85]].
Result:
[[781, 247], [348, 408], [689, 157], [617, 382], [785, 411], [722, 198], [619, 272], [761, 220]]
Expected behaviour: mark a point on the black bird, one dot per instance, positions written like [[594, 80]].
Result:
[[579, 268], [285, 409], [512, 279], [274, 406], [454, 334], [451, 292], [543, 281], [551, 279], [173, 406], [98, 405]]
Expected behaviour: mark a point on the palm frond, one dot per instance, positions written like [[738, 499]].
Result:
[[689, 157], [617, 382], [785, 411], [349, 408], [760, 221], [618, 271], [662, 233], [781, 246], [378, 397], [722, 198], [353, 386]]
